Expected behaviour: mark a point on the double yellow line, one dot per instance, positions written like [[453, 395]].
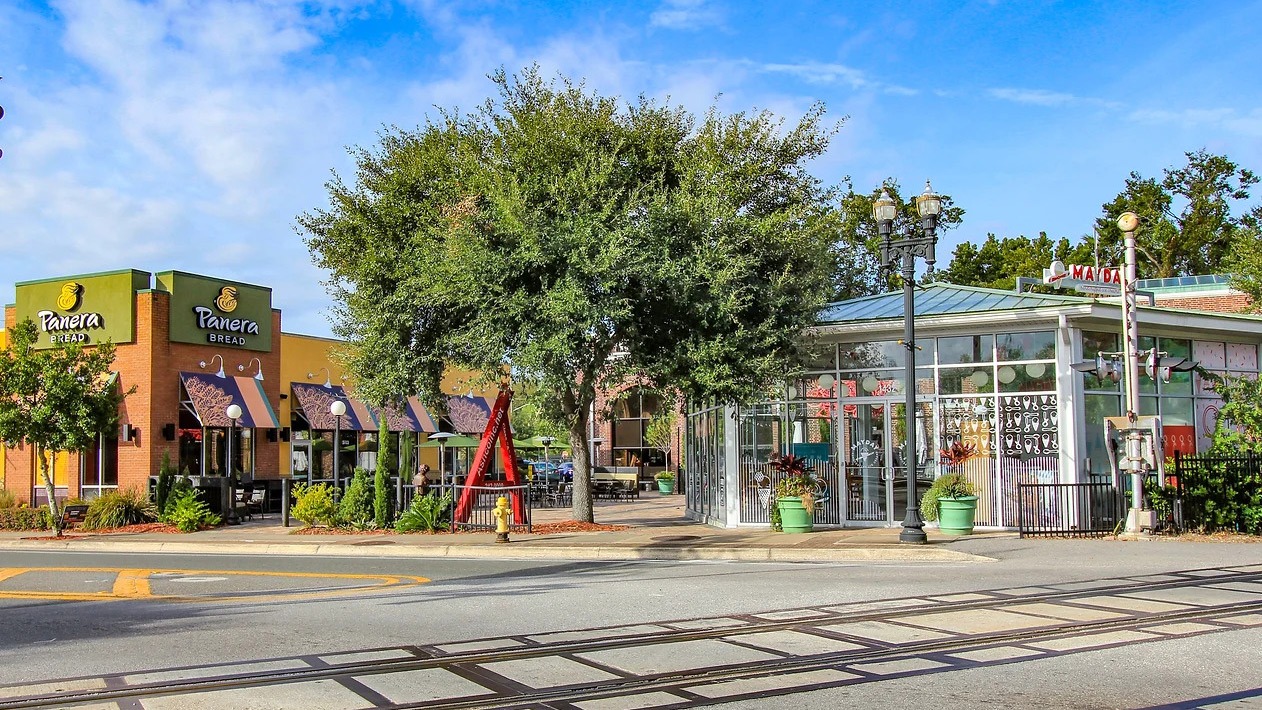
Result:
[[133, 584]]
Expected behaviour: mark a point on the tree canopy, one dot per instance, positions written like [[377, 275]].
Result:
[[54, 399], [1187, 221], [857, 268], [554, 226], [998, 262]]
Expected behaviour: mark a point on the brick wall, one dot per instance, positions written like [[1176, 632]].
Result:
[[1228, 302]]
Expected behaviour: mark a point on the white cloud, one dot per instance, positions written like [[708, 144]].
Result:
[[1037, 97], [1225, 119], [686, 15]]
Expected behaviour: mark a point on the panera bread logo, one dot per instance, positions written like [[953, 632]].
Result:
[[225, 330], [70, 297], [227, 300]]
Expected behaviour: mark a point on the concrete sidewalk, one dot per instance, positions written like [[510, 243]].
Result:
[[658, 531]]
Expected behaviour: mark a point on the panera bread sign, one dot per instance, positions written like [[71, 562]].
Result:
[[212, 311], [87, 309]]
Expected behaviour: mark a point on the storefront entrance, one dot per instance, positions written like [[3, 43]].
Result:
[[873, 450]]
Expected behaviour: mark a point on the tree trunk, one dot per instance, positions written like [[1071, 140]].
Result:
[[46, 463], [582, 509]]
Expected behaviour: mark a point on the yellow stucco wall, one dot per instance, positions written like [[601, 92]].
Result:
[[301, 355]]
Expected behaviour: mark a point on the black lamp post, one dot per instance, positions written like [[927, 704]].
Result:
[[234, 413], [901, 254]]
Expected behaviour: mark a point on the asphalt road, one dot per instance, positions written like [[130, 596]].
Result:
[[96, 615]]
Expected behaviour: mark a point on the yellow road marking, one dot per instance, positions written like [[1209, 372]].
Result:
[[12, 572], [137, 584], [133, 583]]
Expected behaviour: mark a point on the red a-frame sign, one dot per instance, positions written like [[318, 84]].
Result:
[[496, 428]]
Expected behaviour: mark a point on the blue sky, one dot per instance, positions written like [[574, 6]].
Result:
[[188, 135]]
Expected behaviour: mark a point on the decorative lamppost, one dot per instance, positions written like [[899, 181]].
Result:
[[546, 441], [442, 437], [234, 413], [337, 409], [901, 254]]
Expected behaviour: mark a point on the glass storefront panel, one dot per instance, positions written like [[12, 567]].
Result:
[[1038, 345], [1095, 408], [1027, 377], [966, 380], [966, 349]]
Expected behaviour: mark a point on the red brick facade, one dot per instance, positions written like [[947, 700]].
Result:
[[1226, 302], [151, 365]]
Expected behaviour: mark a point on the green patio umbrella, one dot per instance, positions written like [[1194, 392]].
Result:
[[457, 441]]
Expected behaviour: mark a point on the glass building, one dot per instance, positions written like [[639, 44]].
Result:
[[993, 379]]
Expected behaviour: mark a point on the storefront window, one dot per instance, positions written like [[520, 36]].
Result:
[[1039, 345], [966, 349], [99, 467], [966, 380], [1094, 343], [1028, 377]]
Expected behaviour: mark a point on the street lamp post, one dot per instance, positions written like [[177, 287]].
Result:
[[901, 254], [337, 409], [234, 413], [442, 437], [546, 441]]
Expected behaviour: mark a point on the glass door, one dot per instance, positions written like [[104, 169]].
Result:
[[874, 445], [867, 450]]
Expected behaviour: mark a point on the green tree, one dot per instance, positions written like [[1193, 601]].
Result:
[[998, 262], [660, 432], [1196, 239], [856, 251], [54, 399], [554, 226]]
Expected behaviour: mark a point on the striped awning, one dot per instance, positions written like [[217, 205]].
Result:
[[468, 414], [314, 401], [411, 416], [211, 396]]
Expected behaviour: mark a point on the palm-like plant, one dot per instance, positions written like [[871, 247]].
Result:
[[796, 481]]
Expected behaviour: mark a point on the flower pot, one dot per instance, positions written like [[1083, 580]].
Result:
[[665, 487], [794, 518], [956, 515]]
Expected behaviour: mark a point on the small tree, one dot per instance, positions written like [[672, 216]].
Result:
[[660, 433], [356, 508], [166, 480], [54, 399], [381, 497]]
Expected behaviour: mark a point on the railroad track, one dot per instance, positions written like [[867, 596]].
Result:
[[945, 632]]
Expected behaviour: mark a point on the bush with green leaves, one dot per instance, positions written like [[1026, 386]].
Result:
[[166, 481], [313, 505], [7, 499], [382, 503], [114, 509], [188, 512], [948, 485], [24, 518], [355, 509], [428, 513]]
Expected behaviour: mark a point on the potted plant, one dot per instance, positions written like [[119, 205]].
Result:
[[951, 501], [665, 482], [795, 494]]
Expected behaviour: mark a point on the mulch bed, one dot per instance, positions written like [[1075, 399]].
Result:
[[567, 526], [126, 529]]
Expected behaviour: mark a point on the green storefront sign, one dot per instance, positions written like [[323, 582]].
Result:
[[87, 309], [206, 310]]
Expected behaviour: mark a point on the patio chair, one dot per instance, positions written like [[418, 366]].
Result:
[[257, 502]]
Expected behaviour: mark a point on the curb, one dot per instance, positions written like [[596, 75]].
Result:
[[515, 552]]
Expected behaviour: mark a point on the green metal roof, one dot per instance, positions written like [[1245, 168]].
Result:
[[941, 299]]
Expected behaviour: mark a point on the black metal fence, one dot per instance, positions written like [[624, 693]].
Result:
[[484, 499], [1069, 509]]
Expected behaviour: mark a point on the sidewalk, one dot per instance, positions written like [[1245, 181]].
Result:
[[658, 531]]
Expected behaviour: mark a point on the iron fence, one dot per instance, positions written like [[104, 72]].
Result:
[[1217, 492], [484, 499], [1069, 509]]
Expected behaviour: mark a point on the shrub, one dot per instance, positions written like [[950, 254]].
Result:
[[427, 514], [188, 512], [313, 505], [24, 518], [356, 506], [7, 499], [664, 476], [166, 480], [948, 485], [381, 502], [114, 509]]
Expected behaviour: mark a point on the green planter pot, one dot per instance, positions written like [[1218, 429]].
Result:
[[665, 487], [956, 515], [793, 515]]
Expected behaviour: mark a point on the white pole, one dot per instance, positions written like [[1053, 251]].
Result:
[[1129, 221]]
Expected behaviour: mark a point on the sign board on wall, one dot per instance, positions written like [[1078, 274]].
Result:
[[87, 309], [210, 311], [1100, 280]]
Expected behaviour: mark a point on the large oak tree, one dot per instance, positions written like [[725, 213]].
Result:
[[554, 229]]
